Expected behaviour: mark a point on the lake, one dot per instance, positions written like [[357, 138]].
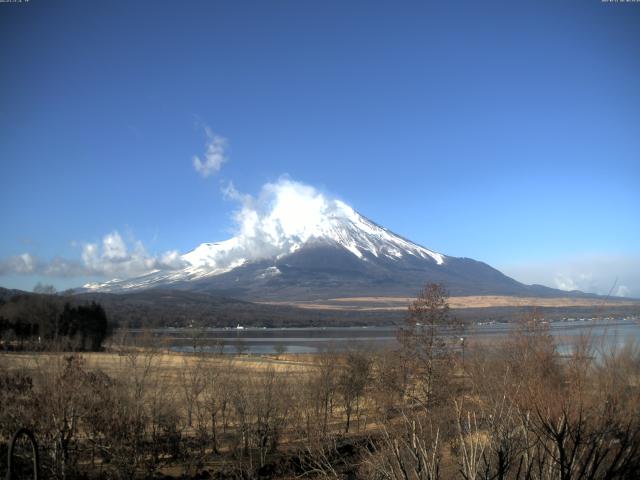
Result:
[[609, 332]]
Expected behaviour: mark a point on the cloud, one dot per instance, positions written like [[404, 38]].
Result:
[[214, 155], [285, 212], [60, 267], [28, 264], [24, 263], [229, 192], [112, 257], [113, 247], [622, 291], [573, 281], [594, 273], [286, 209]]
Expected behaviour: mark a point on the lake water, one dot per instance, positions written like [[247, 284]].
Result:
[[607, 333]]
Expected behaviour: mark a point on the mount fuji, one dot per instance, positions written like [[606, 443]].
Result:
[[297, 244]]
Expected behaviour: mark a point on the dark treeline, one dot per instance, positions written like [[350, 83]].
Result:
[[174, 308], [45, 322], [426, 410]]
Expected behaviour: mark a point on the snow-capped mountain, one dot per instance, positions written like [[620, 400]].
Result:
[[307, 246], [343, 229]]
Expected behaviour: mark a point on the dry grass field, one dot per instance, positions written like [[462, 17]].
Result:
[[151, 413], [488, 301], [167, 363]]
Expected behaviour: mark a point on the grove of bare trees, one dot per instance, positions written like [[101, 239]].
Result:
[[516, 409]]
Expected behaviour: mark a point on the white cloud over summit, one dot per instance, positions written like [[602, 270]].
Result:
[[285, 211]]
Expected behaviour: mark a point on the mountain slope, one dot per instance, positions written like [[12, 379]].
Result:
[[325, 252]]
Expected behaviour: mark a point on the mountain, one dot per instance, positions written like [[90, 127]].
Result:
[[6, 294], [327, 252]]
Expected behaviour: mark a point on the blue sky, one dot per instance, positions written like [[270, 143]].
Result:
[[508, 132]]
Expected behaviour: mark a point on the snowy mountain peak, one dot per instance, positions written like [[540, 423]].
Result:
[[292, 242], [283, 234], [285, 218]]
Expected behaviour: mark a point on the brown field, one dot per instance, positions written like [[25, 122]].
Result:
[[477, 301], [168, 363], [143, 413]]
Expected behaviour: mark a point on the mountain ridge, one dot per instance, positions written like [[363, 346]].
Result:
[[325, 252]]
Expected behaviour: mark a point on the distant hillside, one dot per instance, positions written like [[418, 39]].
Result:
[[7, 293]]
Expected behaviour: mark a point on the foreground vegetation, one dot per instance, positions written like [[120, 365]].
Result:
[[428, 410]]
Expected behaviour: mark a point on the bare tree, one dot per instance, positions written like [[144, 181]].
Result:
[[44, 289], [410, 451], [62, 399], [192, 383], [216, 393], [424, 345], [352, 382], [271, 406], [321, 389], [389, 382]]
